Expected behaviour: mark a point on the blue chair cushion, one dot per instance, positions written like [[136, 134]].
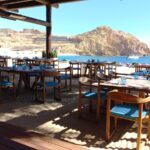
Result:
[[6, 83], [93, 95], [89, 94], [64, 77], [127, 111], [51, 84]]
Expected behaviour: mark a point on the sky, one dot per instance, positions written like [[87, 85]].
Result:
[[131, 16]]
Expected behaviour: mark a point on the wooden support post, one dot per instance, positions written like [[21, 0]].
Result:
[[48, 30]]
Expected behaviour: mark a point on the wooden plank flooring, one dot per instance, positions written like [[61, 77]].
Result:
[[16, 138]]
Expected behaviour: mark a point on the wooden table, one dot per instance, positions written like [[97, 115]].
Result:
[[90, 68], [23, 74], [36, 61], [140, 85]]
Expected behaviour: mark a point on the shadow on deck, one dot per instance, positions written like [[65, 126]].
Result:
[[59, 122]]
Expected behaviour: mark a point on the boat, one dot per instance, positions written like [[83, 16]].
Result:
[[133, 57]]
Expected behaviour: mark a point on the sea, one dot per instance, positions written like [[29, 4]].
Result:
[[71, 57], [118, 59]]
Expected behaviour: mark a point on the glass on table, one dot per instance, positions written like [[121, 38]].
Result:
[[14, 66], [136, 75], [123, 80], [24, 67]]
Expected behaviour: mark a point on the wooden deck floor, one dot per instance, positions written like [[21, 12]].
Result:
[[59, 120], [16, 138]]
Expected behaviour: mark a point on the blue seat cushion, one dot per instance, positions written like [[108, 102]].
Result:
[[64, 77], [127, 111], [93, 95], [51, 84], [6, 83], [89, 94]]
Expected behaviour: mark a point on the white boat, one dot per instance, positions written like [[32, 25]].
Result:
[[133, 57]]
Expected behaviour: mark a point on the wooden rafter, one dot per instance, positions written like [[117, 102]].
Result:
[[18, 4], [62, 1], [24, 4], [8, 2], [15, 16], [8, 18], [44, 2]]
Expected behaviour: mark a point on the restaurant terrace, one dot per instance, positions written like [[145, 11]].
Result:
[[47, 104]]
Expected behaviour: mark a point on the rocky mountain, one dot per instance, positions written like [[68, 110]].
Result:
[[100, 41]]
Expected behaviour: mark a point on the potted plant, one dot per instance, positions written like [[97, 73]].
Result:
[[43, 54], [53, 54]]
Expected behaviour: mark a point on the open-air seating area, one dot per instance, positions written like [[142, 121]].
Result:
[[65, 115], [92, 104]]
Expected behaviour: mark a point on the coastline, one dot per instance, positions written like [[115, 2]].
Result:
[[68, 54]]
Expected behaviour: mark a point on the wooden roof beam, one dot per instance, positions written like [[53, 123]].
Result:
[[44, 2], [62, 1], [8, 2], [25, 4], [23, 18], [8, 18], [4, 8]]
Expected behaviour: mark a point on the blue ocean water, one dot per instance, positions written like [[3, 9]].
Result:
[[118, 59]]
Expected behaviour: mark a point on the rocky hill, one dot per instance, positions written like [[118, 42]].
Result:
[[101, 41]]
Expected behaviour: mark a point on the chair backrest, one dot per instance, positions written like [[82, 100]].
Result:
[[32, 62], [19, 62], [127, 98], [88, 82], [50, 73], [3, 62], [85, 81], [142, 67], [102, 68], [46, 62]]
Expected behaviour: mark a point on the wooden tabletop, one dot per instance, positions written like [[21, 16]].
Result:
[[140, 84]]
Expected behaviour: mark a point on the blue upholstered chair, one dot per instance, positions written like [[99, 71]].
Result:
[[130, 108], [48, 79], [90, 90], [8, 83], [66, 76]]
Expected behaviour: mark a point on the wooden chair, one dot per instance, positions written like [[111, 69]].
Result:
[[55, 84], [66, 75], [130, 108], [86, 90], [76, 66], [54, 63], [19, 62], [5, 83], [32, 62], [100, 73], [3, 62]]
